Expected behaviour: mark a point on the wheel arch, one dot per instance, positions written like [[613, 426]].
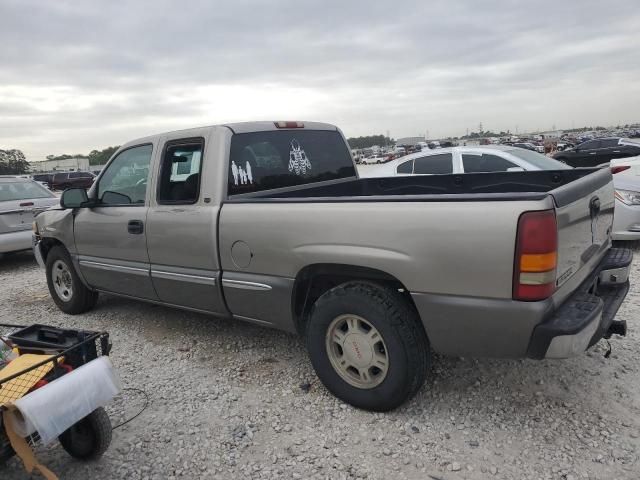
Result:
[[314, 280], [47, 243]]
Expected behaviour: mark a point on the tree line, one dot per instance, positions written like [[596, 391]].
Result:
[[96, 157], [370, 141], [13, 162]]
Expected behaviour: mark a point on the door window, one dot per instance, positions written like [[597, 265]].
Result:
[[590, 145], [610, 143], [434, 164], [485, 163], [180, 172], [406, 167], [124, 182]]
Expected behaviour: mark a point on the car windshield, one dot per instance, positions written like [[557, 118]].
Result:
[[538, 160], [22, 191]]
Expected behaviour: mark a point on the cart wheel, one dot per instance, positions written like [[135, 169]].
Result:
[[89, 438]]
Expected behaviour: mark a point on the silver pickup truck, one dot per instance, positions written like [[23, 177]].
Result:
[[268, 222]]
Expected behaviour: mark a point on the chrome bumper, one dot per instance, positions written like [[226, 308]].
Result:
[[37, 252]]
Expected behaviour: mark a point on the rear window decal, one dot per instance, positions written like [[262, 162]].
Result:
[[298, 161], [241, 176]]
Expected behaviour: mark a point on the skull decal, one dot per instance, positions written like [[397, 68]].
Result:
[[298, 161]]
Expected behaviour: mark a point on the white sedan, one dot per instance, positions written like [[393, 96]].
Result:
[[495, 158], [626, 180]]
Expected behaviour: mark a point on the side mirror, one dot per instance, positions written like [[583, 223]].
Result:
[[74, 198]]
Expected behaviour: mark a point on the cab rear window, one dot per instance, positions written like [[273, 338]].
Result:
[[285, 158]]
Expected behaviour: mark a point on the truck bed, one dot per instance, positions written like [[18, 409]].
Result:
[[498, 186]]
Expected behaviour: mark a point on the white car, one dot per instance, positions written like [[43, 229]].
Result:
[[626, 180], [482, 159], [372, 160], [20, 200]]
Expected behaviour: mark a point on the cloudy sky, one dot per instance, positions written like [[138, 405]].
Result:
[[79, 75]]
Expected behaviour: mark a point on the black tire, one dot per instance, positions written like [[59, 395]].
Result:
[[89, 438], [82, 299], [404, 339]]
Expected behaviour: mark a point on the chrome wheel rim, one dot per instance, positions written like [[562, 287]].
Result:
[[357, 351], [62, 282]]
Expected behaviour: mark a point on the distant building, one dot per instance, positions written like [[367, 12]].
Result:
[[410, 140], [68, 165]]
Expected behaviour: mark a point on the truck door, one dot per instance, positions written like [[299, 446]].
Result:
[[111, 237], [182, 227]]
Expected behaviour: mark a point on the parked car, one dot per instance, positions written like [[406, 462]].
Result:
[[62, 181], [273, 226], [527, 146], [626, 180], [44, 179], [481, 159], [20, 200], [597, 151], [373, 160]]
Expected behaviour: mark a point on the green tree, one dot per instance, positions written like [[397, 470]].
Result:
[[13, 162], [370, 141], [100, 157]]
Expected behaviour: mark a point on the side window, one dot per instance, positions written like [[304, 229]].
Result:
[[124, 182], [406, 167], [611, 143], [180, 172], [434, 164], [76, 175], [485, 163], [590, 145]]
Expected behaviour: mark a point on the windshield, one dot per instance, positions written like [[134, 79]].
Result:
[[284, 158], [22, 191], [538, 160]]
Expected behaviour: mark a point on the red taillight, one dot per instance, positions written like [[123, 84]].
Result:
[[534, 272], [289, 124], [619, 169]]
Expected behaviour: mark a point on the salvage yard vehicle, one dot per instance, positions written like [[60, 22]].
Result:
[[20, 200], [597, 151], [481, 159], [62, 181], [273, 226]]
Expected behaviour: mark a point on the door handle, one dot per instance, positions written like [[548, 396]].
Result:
[[616, 151], [592, 153], [135, 227]]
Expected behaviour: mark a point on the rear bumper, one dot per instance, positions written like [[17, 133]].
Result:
[[15, 241], [626, 222], [588, 314]]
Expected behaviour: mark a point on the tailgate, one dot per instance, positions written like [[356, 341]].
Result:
[[584, 212]]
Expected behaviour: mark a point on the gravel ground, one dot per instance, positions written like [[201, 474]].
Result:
[[231, 400]]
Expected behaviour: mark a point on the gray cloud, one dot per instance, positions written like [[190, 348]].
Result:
[[77, 75]]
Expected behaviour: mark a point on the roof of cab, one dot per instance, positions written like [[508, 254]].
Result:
[[238, 127]]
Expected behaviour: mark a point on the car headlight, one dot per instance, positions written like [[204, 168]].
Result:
[[628, 197]]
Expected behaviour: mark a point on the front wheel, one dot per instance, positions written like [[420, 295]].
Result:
[[67, 290], [89, 438], [367, 345]]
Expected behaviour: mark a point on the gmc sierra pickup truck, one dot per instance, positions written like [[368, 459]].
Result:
[[268, 222]]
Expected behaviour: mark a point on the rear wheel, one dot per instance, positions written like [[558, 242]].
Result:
[[89, 438], [67, 290], [367, 345]]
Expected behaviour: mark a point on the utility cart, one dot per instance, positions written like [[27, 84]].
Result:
[[40, 356]]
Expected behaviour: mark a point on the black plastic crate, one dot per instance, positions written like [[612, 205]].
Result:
[[45, 337]]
